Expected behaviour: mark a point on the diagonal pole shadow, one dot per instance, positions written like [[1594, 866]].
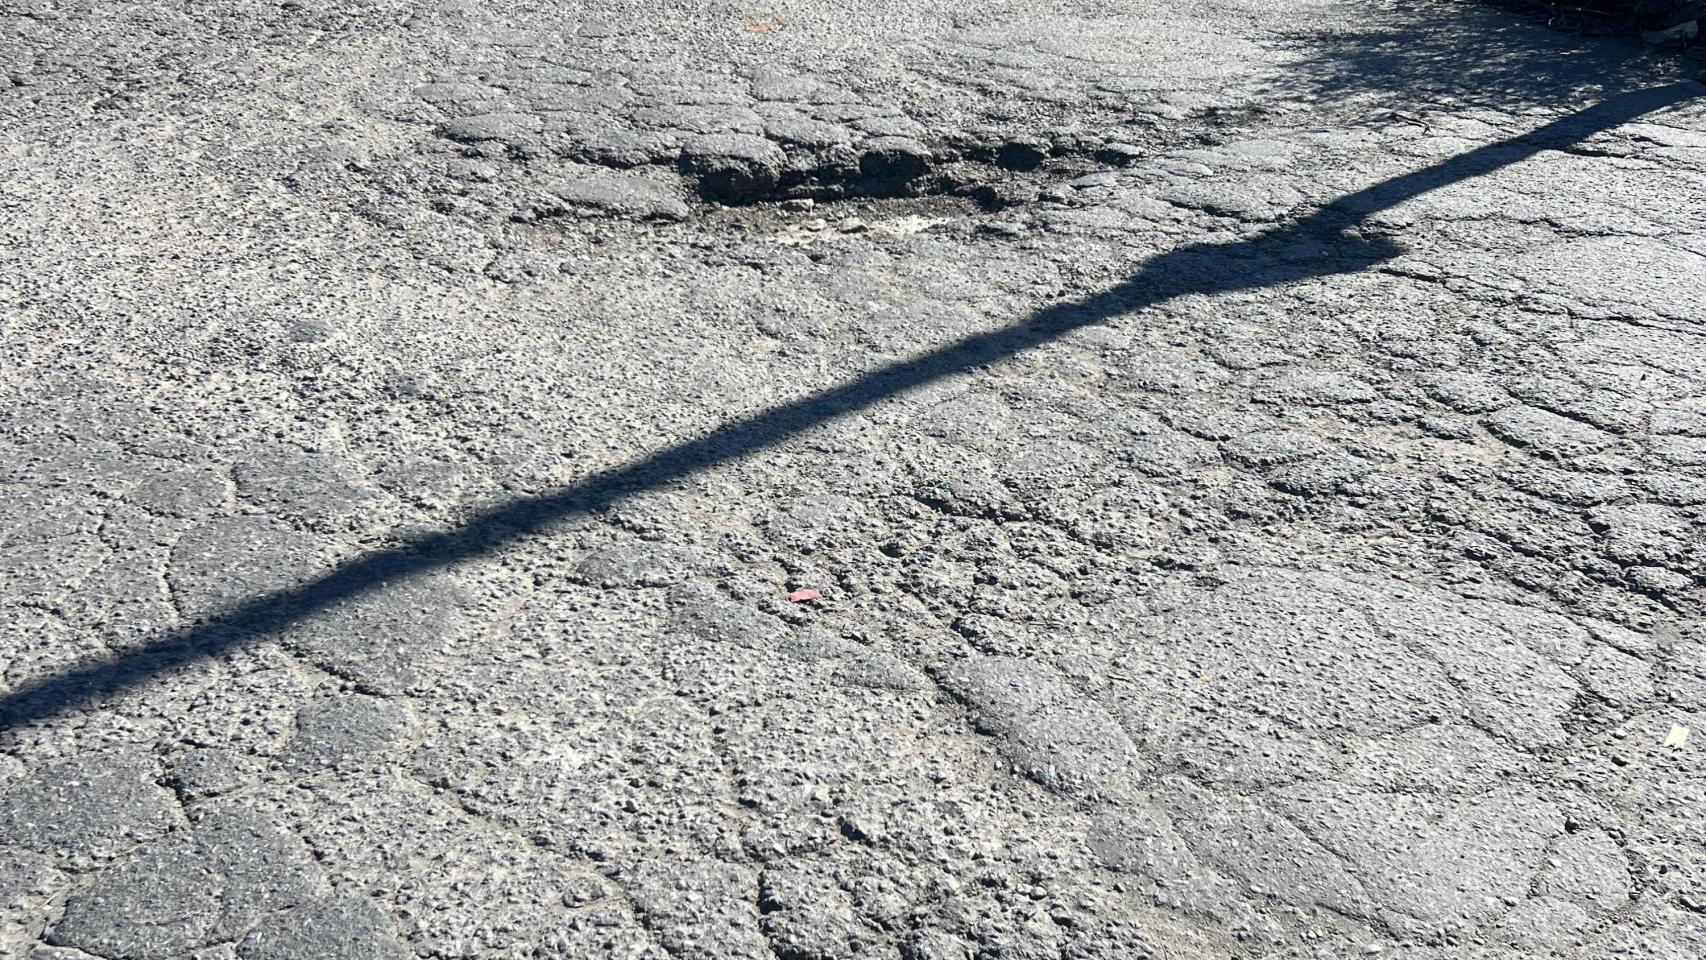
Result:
[[1324, 243]]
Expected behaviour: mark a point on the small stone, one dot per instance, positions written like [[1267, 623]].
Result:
[[583, 890], [852, 225]]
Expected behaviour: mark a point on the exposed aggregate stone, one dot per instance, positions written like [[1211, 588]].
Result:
[[1299, 572]]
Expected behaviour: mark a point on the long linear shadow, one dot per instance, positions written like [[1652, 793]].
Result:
[[1323, 243]]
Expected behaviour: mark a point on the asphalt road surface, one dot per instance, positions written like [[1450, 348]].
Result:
[[866, 479]]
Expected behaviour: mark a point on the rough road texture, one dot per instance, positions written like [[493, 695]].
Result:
[[1252, 456]]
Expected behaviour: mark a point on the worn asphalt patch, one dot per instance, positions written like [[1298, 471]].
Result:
[[643, 479]]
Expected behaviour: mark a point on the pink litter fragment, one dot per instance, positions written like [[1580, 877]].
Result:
[[801, 596]]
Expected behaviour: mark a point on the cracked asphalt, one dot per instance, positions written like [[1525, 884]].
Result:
[[1250, 460]]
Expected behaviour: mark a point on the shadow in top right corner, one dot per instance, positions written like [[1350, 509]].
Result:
[[1499, 54]]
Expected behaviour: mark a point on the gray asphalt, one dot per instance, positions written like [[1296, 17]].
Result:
[[848, 480]]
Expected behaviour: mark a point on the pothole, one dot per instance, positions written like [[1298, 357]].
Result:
[[735, 171], [540, 148]]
